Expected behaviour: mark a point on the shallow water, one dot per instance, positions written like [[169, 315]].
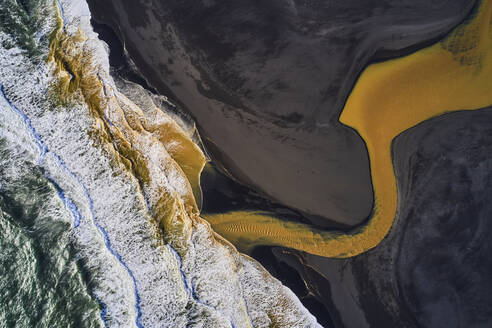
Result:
[[42, 280]]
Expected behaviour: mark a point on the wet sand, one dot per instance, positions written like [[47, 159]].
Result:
[[266, 83], [389, 98], [365, 291], [434, 267]]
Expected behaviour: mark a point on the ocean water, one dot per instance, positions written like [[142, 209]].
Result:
[[99, 221], [42, 280]]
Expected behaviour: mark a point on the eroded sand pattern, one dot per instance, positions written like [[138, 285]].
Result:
[[389, 98]]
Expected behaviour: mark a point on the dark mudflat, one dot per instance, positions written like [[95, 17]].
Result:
[[434, 268], [266, 81]]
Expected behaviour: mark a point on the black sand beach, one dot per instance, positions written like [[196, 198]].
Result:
[[266, 83]]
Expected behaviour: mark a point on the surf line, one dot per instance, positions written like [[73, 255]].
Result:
[[107, 243], [62, 13], [43, 149], [190, 288]]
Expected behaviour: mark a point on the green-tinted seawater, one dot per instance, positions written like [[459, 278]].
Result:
[[42, 283]]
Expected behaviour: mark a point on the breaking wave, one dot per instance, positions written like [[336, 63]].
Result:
[[99, 195]]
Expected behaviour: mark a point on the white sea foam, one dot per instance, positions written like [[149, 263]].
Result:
[[139, 279]]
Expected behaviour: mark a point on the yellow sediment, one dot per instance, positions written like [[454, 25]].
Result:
[[183, 150], [128, 138], [389, 98]]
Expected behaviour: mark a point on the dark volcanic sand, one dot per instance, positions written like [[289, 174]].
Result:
[[266, 80], [434, 269]]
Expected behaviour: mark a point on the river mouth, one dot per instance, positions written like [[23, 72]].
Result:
[[221, 192], [224, 195], [100, 197]]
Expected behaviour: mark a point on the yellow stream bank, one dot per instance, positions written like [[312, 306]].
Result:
[[389, 98]]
